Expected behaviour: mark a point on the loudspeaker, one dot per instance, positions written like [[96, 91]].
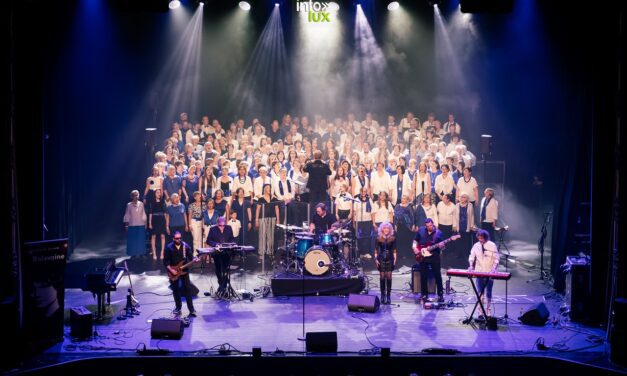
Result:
[[81, 322], [363, 303], [321, 342], [578, 288], [167, 329], [415, 286], [618, 354], [537, 315]]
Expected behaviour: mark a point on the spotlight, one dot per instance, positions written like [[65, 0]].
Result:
[[276, 4], [202, 3], [394, 5], [333, 6], [434, 3], [174, 4], [244, 5]]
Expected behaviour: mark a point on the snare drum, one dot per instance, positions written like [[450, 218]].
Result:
[[302, 245], [317, 261], [326, 240]]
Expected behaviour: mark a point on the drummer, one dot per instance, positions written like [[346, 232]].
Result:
[[322, 221]]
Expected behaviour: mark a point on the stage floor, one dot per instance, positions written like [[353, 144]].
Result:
[[278, 323]]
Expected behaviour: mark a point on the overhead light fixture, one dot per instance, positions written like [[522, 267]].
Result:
[[174, 4], [394, 5], [276, 4], [244, 5], [333, 6]]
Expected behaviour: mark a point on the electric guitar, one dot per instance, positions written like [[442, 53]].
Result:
[[426, 249], [179, 268]]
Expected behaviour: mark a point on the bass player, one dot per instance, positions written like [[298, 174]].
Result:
[[428, 235]]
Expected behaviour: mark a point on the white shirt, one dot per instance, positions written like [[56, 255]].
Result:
[[247, 186], [444, 184], [343, 204], [259, 183], [492, 210], [469, 188], [430, 212], [356, 186], [470, 216], [288, 189], [236, 225], [360, 211], [380, 183], [406, 188], [135, 215], [381, 214], [419, 186], [486, 260], [447, 125], [447, 214]]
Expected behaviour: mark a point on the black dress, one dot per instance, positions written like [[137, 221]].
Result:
[[385, 255], [157, 209]]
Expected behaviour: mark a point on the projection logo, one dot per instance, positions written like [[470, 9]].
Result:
[[317, 11]]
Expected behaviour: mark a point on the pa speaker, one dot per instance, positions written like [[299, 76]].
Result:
[[536, 315], [363, 303], [166, 329], [321, 342]]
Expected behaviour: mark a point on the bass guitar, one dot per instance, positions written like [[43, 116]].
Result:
[[181, 266], [425, 250]]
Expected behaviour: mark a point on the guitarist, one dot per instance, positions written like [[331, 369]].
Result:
[[178, 252], [219, 234], [429, 235]]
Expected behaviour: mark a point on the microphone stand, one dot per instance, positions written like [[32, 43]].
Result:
[[543, 233]]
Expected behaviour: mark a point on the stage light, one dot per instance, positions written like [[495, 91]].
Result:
[[174, 4], [244, 5], [394, 5], [276, 4], [202, 3], [333, 6]]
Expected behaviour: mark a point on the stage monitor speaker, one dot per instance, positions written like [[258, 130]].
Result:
[[537, 315], [363, 303], [167, 329], [81, 322], [618, 332], [321, 342], [415, 286]]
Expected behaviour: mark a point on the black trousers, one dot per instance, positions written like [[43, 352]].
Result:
[[222, 262], [489, 228], [184, 285], [424, 273]]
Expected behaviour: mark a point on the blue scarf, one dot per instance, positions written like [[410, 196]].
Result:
[[289, 187]]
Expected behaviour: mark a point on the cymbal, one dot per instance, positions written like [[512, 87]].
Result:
[[289, 227], [304, 234]]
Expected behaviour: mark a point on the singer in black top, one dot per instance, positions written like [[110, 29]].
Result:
[[175, 252], [428, 235], [218, 235], [385, 259], [318, 182]]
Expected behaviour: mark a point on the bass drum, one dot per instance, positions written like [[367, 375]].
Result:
[[317, 261]]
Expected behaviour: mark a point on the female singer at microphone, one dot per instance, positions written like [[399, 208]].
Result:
[[385, 259]]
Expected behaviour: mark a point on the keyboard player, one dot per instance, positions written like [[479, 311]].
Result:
[[484, 257]]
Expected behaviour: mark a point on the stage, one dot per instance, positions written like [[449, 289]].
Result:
[[275, 323]]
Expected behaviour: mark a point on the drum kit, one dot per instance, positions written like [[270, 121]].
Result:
[[320, 255]]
